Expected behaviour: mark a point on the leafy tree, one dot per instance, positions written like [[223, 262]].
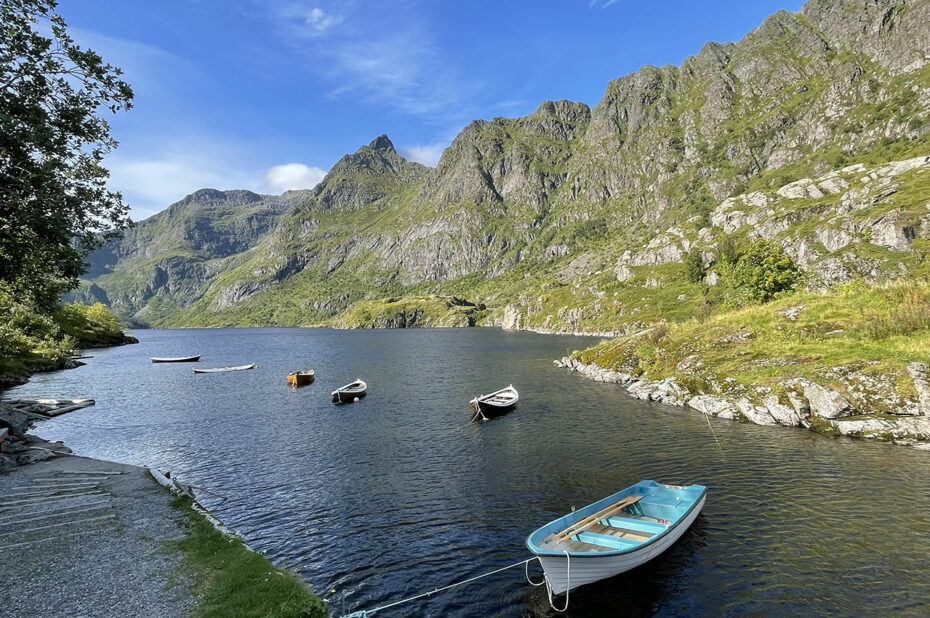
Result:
[[727, 251], [54, 204], [765, 272], [694, 265]]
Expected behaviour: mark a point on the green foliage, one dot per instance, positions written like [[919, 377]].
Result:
[[727, 250], [765, 272], [694, 265], [89, 324], [27, 335], [54, 204]]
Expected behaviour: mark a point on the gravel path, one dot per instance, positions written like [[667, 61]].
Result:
[[83, 537]]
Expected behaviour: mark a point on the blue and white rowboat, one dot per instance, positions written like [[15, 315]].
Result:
[[615, 534]]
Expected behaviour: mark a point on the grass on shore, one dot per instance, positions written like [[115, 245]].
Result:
[[877, 329], [233, 580]]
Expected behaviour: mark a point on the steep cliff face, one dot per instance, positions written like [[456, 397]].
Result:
[[166, 260], [575, 217]]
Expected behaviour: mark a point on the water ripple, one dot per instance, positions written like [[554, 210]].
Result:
[[399, 493]]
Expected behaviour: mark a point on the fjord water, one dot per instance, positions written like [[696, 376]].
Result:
[[400, 493]]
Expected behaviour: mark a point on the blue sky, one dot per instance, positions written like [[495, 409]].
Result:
[[268, 94]]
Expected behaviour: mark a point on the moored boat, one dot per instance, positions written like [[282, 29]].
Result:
[[350, 391], [614, 534], [299, 378], [175, 359], [222, 369], [495, 403]]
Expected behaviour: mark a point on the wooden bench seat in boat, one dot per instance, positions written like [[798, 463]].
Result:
[[635, 535], [607, 540], [641, 525], [579, 546]]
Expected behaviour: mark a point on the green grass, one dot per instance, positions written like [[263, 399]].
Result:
[[232, 580], [875, 330]]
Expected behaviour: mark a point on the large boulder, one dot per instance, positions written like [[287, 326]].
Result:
[[918, 373], [713, 406], [826, 403]]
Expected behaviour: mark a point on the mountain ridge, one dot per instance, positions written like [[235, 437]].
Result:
[[518, 209]]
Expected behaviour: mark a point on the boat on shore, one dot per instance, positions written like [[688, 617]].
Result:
[[350, 391], [495, 404], [223, 369], [175, 359], [614, 534], [300, 378]]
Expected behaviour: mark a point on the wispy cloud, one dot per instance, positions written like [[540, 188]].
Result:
[[380, 53], [602, 3], [321, 21], [301, 20], [290, 176], [427, 154]]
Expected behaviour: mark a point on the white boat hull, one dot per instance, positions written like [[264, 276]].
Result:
[[588, 568]]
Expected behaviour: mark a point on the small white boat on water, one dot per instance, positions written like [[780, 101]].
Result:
[[614, 534], [350, 392], [495, 404], [175, 359], [223, 369]]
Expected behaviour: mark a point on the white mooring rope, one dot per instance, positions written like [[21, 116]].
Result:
[[368, 612]]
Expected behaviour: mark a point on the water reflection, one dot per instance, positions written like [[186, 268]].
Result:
[[400, 493]]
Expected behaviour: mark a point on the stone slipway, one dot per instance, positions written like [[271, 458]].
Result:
[[84, 537]]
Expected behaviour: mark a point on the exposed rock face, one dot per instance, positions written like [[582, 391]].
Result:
[[824, 402], [918, 372], [656, 169], [511, 318]]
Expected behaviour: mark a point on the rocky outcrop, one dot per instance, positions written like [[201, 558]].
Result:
[[18, 448], [803, 403]]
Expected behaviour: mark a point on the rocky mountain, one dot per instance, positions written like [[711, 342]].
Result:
[[811, 132]]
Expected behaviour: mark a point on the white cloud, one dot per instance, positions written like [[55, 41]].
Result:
[[603, 3], [320, 21], [150, 184], [289, 176], [427, 154]]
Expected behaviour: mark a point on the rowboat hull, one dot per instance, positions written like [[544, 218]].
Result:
[[589, 568], [225, 369], [617, 541], [347, 396], [300, 378], [491, 411], [350, 392], [496, 404], [178, 359]]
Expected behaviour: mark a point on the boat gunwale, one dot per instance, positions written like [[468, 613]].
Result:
[[363, 386], [485, 400], [539, 551]]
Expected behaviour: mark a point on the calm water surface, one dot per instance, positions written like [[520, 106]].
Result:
[[399, 493]]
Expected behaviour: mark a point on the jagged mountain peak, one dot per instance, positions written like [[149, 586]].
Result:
[[382, 143], [237, 197]]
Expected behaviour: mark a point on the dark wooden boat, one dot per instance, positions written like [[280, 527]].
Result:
[[174, 359], [495, 404], [300, 378], [350, 392], [224, 369]]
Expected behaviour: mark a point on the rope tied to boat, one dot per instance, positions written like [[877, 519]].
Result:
[[364, 613], [568, 583]]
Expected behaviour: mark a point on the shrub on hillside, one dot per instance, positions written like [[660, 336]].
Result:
[[764, 272], [694, 265]]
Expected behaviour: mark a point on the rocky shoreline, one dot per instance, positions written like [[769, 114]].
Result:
[[801, 403]]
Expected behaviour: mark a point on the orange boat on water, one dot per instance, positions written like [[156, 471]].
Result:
[[299, 378]]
